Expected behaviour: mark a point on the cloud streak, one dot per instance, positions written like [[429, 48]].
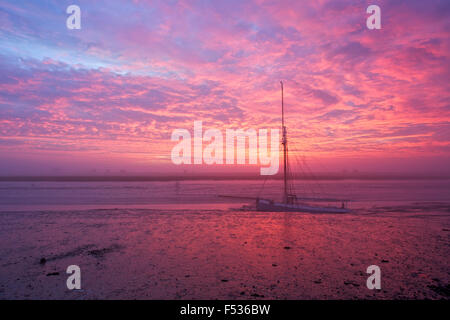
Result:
[[139, 69]]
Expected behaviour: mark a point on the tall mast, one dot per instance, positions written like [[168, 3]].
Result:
[[284, 143]]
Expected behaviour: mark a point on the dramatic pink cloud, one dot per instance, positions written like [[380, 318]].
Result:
[[111, 93]]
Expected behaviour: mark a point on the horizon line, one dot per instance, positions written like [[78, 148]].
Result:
[[216, 176]]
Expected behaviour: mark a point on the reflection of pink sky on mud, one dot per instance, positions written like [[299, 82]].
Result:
[[107, 97], [145, 254]]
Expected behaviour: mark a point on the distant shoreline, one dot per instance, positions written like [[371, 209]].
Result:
[[143, 178]]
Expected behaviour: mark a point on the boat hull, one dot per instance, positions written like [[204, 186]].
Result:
[[268, 205]]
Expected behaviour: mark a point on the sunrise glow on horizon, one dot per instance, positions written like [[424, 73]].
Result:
[[110, 94]]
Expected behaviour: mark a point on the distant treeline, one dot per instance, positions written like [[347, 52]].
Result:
[[317, 176]]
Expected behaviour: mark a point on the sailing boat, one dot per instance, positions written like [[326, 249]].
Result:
[[290, 202]]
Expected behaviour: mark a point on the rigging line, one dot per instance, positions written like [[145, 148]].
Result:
[[299, 168], [290, 182], [306, 184], [300, 172], [262, 188], [324, 167], [314, 180], [307, 190], [314, 183]]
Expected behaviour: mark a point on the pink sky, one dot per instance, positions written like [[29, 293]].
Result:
[[108, 96]]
